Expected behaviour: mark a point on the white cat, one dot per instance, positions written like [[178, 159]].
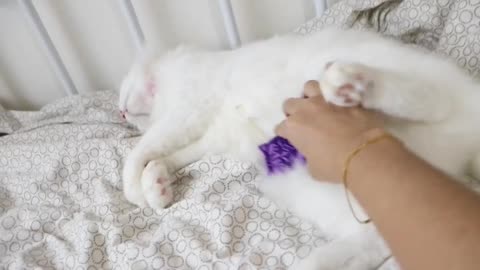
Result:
[[191, 103]]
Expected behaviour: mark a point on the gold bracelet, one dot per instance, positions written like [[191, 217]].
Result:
[[347, 164]]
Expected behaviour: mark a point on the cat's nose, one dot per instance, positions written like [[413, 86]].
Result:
[[122, 113]]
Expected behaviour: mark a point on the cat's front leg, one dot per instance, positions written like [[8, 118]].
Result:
[[159, 174], [350, 84], [157, 143], [133, 168], [156, 184]]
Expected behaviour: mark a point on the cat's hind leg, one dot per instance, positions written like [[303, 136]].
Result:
[[350, 84]]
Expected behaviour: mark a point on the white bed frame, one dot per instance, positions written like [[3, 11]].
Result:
[[137, 36]]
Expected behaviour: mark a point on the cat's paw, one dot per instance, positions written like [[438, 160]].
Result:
[[345, 84], [156, 183]]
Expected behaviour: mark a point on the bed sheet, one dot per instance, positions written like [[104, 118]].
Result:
[[447, 27], [62, 207]]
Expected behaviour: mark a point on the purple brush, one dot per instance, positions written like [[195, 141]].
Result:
[[280, 155]]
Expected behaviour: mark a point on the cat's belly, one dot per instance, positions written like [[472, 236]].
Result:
[[322, 203]]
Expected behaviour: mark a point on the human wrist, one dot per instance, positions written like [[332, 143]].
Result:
[[373, 133], [380, 152]]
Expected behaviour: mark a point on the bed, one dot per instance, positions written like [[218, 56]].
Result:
[[61, 200]]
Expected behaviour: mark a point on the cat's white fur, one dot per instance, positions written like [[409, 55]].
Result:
[[229, 102]]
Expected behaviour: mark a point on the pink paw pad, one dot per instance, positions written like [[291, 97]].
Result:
[[345, 92]]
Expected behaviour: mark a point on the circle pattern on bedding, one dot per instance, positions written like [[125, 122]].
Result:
[[447, 27], [62, 205]]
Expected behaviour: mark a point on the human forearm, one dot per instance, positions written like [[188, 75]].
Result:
[[436, 224]]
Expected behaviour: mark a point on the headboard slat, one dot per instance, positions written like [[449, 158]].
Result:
[[133, 24], [320, 6], [229, 23], [54, 58]]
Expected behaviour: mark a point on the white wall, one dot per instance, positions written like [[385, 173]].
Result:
[[93, 40]]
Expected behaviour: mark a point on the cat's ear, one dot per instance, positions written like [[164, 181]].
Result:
[[145, 59], [147, 54], [150, 85], [143, 70]]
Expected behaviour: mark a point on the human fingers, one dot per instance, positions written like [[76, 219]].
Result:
[[311, 89], [291, 105], [282, 129]]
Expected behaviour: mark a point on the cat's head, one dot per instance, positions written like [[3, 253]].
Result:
[[137, 92], [140, 86]]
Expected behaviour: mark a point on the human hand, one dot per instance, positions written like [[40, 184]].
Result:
[[324, 133]]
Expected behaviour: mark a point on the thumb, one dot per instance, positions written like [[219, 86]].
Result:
[[282, 129]]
